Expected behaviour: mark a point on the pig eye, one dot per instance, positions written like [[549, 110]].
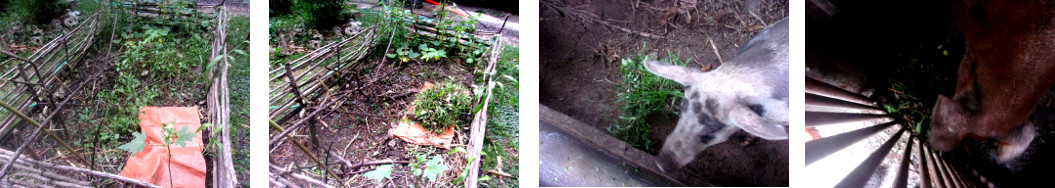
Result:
[[978, 14], [758, 109]]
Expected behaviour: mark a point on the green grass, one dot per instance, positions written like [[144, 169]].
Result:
[[643, 95], [503, 126], [238, 75]]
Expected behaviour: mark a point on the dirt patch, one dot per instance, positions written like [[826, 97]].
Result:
[[583, 41]]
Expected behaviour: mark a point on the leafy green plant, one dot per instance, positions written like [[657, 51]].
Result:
[[405, 54], [429, 48], [643, 94], [136, 145], [428, 53], [380, 173], [434, 168], [446, 104]]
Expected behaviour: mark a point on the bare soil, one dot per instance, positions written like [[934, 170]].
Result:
[[580, 56]]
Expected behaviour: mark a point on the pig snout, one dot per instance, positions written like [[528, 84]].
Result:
[[948, 121], [666, 163]]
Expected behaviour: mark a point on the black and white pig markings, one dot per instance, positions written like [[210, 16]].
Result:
[[748, 92]]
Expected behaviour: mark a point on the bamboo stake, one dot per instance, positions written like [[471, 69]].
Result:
[[479, 124]]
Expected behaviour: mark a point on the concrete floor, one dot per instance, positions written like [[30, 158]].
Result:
[[565, 161]]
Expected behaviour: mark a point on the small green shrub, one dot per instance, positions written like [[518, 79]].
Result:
[[643, 94], [443, 105]]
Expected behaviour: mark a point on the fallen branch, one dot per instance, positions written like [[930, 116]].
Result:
[[378, 163], [300, 177], [5, 155], [499, 173], [280, 181], [305, 150]]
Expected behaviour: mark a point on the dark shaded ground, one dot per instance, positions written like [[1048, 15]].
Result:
[[580, 68], [916, 52]]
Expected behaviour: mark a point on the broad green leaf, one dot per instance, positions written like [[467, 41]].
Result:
[[434, 168], [183, 136], [136, 145], [379, 173]]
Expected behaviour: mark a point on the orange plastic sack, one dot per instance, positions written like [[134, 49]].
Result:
[[151, 165], [412, 132]]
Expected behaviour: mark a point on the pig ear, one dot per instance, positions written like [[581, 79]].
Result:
[[680, 74], [754, 124]]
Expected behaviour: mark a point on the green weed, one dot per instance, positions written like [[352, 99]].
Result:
[[443, 105], [643, 94]]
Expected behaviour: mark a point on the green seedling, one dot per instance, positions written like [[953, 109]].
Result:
[[169, 136]]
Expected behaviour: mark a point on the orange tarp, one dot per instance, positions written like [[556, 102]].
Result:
[[151, 165], [410, 131]]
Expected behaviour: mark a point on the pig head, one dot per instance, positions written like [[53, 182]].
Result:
[[748, 92], [1008, 65]]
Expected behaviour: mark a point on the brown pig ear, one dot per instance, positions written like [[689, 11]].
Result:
[[754, 124], [680, 74]]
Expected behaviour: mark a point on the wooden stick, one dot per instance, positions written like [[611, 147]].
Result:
[[310, 155], [224, 173], [720, 61], [18, 152], [479, 124], [378, 163], [499, 173], [300, 176], [5, 154], [279, 180]]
